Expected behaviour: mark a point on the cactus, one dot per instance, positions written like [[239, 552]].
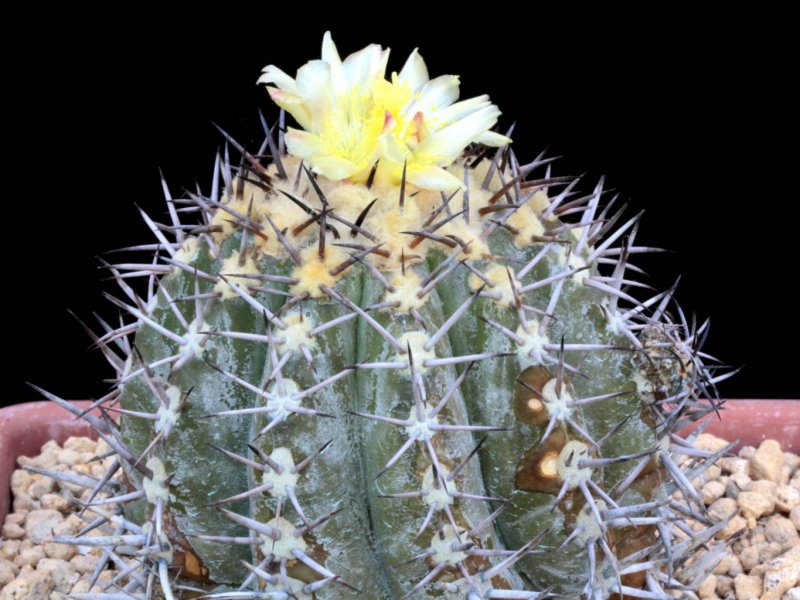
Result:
[[385, 358]]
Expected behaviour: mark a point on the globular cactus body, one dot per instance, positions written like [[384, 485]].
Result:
[[389, 374]]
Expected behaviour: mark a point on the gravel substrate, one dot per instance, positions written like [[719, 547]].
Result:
[[758, 491], [32, 565]]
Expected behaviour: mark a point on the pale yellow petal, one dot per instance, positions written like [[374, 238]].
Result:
[[313, 83], [462, 109], [363, 174], [393, 149], [292, 104], [304, 144], [435, 95], [414, 73], [313, 79], [331, 56], [279, 95], [333, 167], [362, 67], [329, 52], [492, 138], [380, 70], [272, 74], [444, 146], [433, 178], [388, 171]]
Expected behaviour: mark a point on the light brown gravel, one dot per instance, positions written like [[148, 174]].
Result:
[[761, 495], [32, 565]]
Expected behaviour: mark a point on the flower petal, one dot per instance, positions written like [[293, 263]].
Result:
[[461, 110], [292, 104], [272, 74], [313, 84], [331, 56], [313, 78], [492, 138], [435, 95], [333, 167], [444, 146], [362, 67], [304, 144], [329, 52], [433, 178], [393, 149], [414, 73]]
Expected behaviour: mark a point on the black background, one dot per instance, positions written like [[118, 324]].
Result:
[[687, 116]]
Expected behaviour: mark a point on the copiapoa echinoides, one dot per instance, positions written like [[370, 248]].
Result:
[[383, 355]]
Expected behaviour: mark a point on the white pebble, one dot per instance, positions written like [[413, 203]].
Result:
[[782, 574], [786, 498], [792, 594], [59, 572], [40, 523]]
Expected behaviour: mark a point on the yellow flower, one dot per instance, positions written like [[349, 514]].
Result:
[[352, 117]]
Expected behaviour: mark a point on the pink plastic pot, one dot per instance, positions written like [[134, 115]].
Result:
[[24, 428]]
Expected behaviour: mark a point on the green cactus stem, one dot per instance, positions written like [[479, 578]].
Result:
[[382, 362]]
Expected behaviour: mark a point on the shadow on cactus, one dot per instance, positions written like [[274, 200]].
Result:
[[382, 357]]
